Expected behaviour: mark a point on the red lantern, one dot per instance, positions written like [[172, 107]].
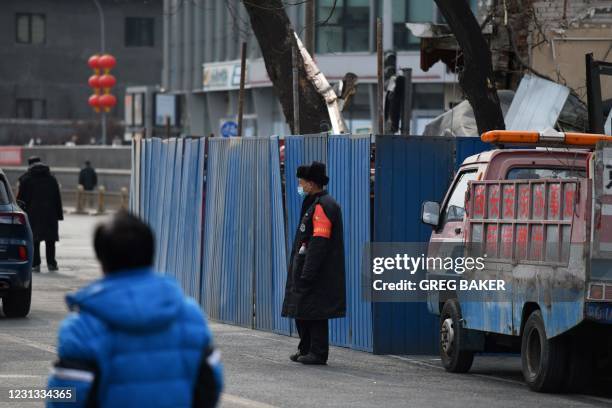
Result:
[[94, 81], [107, 81], [94, 101], [107, 101], [94, 61], [107, 61]]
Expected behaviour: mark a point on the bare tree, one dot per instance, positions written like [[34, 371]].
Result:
[[476, 78], [273, 31]]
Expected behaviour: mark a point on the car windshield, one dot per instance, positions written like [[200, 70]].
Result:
[[534, 173]]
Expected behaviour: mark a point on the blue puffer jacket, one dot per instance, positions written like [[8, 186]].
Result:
[[146, 341]]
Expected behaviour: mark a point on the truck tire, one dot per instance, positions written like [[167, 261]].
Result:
[[543, 360], [454, 358], [17, 303]]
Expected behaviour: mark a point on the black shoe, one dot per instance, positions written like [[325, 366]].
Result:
[[311, 359], [295, 356], [52, 268], [36, 268]]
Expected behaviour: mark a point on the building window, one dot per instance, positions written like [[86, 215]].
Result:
[[413, 11], [347, 25], [30, 28], [29, 108], [139, 32], [428, 96]]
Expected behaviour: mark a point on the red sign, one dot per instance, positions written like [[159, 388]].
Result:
[[10, 155]]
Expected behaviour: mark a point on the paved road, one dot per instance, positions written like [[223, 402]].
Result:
[[258, 373]]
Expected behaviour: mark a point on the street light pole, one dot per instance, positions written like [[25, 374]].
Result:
[[102, 50]]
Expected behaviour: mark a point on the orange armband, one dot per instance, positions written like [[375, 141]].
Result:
[[322, 226]]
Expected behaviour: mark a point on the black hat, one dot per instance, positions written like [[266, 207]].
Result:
[[315, 173], [33, 159]]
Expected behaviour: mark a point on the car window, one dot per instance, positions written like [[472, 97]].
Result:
[[455, 207], [4, 194], [534, 173]]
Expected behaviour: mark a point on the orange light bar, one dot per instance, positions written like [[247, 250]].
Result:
[[585, 139], [510, 136], [546, 137]]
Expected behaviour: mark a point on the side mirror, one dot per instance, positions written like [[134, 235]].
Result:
[[430, 213], [21, 204]]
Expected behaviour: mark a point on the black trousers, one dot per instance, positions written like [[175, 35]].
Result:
[[49, 251], [314, 337]]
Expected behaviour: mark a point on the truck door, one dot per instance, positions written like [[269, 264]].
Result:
[[453, 210], [447, 238]]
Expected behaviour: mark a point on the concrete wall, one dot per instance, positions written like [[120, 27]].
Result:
[[564, 42], [113, 164], [57, 71]]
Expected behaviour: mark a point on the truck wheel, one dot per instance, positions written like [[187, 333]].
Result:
[[454, 358], [17, 303], [543, 360]]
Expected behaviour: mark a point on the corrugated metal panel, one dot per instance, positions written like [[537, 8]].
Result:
[[339, 172], [134, 197], [184, 207], [196, 254], [349, 172], [536, 104], [212, 227], [157, 157], [144, 145], [148, 187], [172, 264], [222, 251], [264, 292], [240, 238], [171, 202], [282, 325], [409, 170], [166, 176], [468, 146]]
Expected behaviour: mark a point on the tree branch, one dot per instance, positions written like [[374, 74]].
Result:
[[476, 78]]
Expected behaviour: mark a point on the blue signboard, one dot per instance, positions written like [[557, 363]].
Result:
[[229, 128]]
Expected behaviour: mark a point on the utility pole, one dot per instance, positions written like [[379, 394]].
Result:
[[102, 51], [241, 92], [407, 102], [380, 90]]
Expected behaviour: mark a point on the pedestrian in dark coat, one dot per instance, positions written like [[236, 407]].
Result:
[[315, 289], [88, 177], [40, 196]]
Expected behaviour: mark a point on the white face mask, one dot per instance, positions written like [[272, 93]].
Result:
[[301, 192]]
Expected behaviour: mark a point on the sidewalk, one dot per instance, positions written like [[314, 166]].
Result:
[[259, 374]]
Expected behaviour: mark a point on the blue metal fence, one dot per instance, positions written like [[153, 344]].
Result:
[[410, 170], [244, 243], [349, 173], [348, 162], [168, 196], [467, 146], [234, 260]]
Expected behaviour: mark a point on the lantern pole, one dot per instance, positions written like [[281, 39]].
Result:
[[102, 51]]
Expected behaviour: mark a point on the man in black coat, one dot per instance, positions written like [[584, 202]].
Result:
[[315, 290], [88, 177], [40, 196]]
